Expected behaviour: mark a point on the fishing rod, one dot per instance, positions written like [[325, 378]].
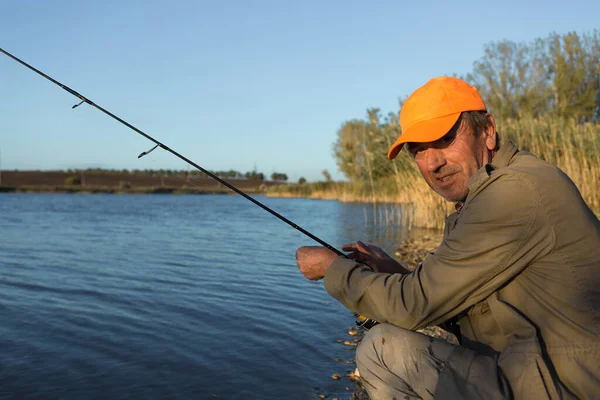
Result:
[[164, 147], [362, 321]]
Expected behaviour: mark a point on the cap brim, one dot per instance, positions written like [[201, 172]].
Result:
[[425, 131]]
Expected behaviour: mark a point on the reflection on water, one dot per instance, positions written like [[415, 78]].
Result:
[[377, 224], [166, 296]]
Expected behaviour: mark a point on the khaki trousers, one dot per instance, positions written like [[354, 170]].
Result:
[[395, 363]]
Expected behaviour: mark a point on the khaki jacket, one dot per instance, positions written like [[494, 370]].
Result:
[[519, 266]]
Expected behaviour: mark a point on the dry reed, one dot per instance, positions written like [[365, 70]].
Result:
[[572, 146]]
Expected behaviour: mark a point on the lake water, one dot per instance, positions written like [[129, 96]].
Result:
[[171, 296]]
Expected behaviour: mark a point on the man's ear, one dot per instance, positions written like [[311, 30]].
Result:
[[491, 136]]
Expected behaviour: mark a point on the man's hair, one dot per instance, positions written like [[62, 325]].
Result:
[[478, 121]]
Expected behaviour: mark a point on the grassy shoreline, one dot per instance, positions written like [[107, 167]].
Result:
[[572, 146]]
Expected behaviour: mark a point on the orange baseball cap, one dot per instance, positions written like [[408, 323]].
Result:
[[433, 109]]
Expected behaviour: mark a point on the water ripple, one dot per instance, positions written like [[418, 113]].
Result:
[[166, 297]]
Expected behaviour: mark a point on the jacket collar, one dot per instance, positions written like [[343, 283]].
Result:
[[502, 159], [504, 155]]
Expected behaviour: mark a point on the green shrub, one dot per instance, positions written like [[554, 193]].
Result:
[[73, 180]]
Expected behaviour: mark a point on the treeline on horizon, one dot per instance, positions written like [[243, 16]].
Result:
[[231, 174], [545, 97]]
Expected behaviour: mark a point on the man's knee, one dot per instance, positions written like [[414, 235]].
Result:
[[385, 358], [384, 341], [393, 360], [389, 346]]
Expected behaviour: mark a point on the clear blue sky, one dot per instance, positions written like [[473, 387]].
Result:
[[234, 84]]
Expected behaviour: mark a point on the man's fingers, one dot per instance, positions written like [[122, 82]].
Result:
[[361, 250], [363, 247], [358, 246]]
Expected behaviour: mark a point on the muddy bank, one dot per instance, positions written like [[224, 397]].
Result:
[[116, 182]]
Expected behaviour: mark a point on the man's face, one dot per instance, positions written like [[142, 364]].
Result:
[[449, 162]]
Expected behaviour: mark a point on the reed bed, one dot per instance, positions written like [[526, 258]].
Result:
[[572, 146]]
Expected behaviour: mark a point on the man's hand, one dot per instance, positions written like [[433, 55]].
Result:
[[313, 261], [374, 257]]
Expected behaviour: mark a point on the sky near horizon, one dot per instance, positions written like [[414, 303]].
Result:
[[234, 84]]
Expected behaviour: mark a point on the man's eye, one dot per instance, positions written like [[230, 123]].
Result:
[[417, 151], [449, 138]]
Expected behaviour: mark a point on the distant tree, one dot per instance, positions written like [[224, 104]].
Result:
[[73, 180], [234, 174], [255, 176], [326, 175], [361, 147], [596, 116], [278, 176], [558, 75], [347, 149], [302, 180]]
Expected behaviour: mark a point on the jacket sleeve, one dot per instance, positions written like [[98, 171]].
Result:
[[500, 231]]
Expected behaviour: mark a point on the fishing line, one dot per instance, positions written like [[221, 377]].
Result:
[[164, 147]]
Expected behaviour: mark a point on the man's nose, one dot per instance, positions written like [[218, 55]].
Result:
[[435, 159]]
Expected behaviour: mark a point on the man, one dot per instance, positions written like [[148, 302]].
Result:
[[518, 268]]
